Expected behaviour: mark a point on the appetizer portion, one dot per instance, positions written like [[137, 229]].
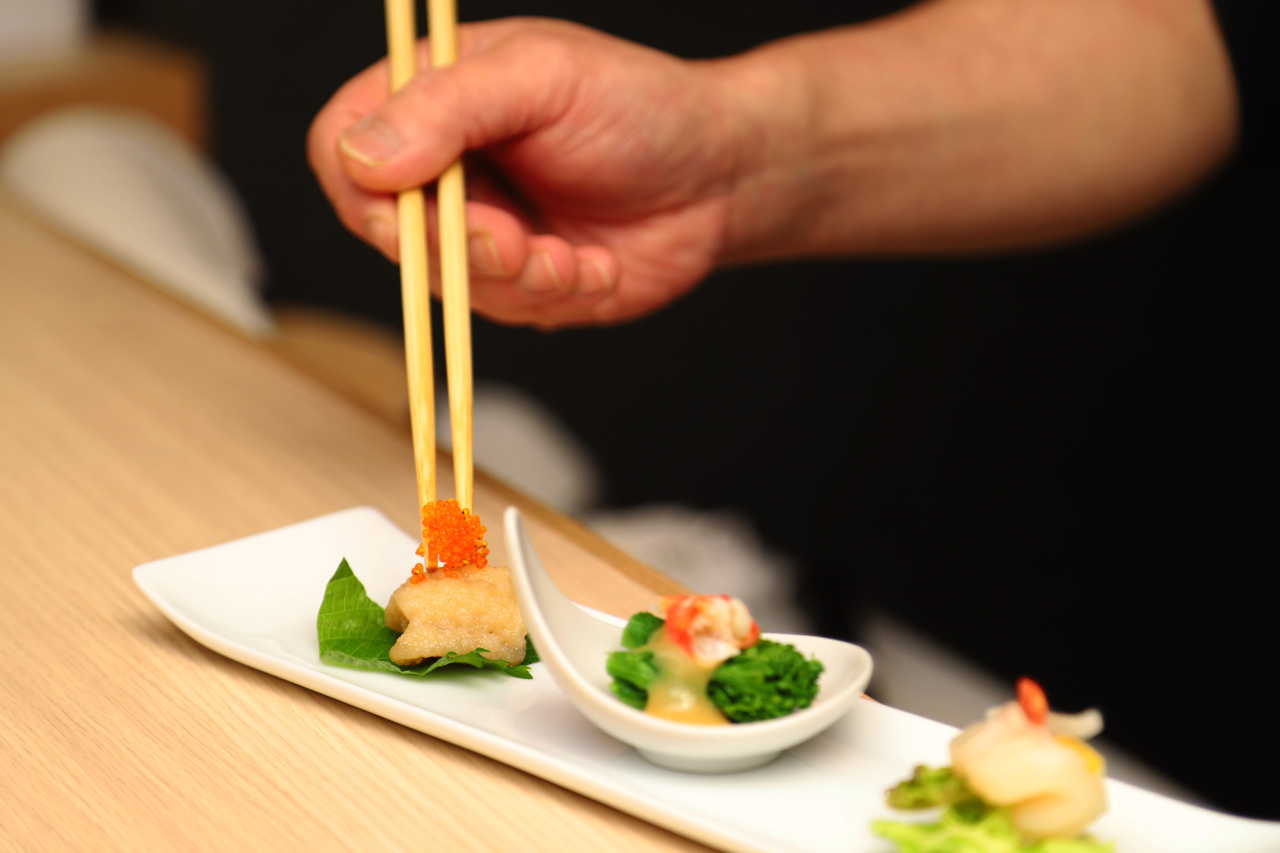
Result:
[[453, 609], [474, 608], [1023, 779], [352, 630], [454, 601], [706, 664]]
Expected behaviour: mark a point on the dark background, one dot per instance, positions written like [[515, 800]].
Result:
[[1057, 463]]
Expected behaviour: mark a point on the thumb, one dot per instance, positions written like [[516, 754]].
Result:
[[506, 91]]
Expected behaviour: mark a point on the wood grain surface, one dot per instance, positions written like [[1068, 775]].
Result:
[[133, 429]]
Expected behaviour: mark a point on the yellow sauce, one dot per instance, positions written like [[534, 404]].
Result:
[[1092, 760], [680, 693]]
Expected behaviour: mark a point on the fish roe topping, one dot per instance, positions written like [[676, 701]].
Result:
[[454, 538]]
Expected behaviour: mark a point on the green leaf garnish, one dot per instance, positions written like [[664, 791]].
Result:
[[967, 824], [977, 830], [353, 634]]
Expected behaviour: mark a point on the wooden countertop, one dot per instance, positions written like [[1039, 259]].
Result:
[[133, 429]]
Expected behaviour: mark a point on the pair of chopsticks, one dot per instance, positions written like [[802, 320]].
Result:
[[402, 37]]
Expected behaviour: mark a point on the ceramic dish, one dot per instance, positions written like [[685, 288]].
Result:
[[255, 601], [574, 643]]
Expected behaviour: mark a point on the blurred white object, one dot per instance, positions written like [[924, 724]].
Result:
[[35, 27], [518, 440], [125, 186], [709, 552]]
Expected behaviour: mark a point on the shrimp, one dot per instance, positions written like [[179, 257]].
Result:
[[1036, 763], [709, 628]]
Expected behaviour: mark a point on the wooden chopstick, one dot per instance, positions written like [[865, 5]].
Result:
[[454, 278], [415, 290]]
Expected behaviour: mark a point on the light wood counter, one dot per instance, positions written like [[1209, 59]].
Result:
[[133, 429]]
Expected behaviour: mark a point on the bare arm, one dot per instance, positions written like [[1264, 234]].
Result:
[[978, 124]]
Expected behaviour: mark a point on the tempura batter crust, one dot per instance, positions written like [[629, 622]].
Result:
[[475, 610]]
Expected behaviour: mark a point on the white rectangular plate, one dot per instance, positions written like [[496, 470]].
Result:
[[255, 601]]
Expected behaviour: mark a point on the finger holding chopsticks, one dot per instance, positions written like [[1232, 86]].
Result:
[[365, 146]]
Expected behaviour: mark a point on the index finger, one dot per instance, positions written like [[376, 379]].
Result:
[[360, 96], [357, 98]]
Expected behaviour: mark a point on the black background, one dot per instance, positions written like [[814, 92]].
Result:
[[1058, 463]]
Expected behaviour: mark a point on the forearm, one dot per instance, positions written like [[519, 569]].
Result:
[[964, 125]]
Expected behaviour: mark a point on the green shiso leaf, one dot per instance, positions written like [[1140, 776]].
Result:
[[966, 825], [765, 681], [350, 625], [639, 629], [530, 653], [353, 633]]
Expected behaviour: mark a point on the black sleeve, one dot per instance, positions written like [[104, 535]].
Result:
[[1250, 32]]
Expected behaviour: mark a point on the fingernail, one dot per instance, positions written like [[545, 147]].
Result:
[[370, 140], [598, 281], [379, 231], [483, 250], [551, 283]]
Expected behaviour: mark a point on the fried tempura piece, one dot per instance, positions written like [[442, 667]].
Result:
[[440, 614]]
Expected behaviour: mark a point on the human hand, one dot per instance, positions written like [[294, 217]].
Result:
[[602, 170], [611, 177]]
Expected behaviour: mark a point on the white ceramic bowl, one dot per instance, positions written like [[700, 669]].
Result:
[[574, 642]]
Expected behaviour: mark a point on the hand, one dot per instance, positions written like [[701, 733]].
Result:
[[612, 177], [602, 169]]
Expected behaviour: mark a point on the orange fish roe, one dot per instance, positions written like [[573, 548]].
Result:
[[454, 538]]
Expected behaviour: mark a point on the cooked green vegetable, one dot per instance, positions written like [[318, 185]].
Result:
[[762, 682], [929, 787], [966, 825], [632, 673], [353, 633], [639, 629]]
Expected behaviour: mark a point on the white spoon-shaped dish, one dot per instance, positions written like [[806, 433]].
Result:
[[574, 645]]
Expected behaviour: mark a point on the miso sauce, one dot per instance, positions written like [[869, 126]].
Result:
[[680, 693]]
